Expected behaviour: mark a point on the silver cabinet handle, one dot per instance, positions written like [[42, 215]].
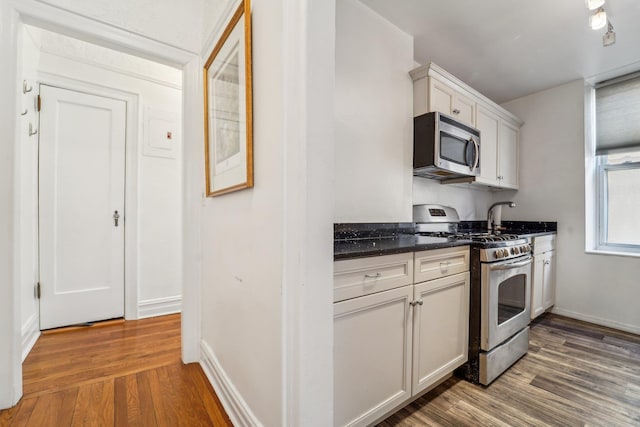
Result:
[[456, 111], [373, 276], [445, 264], [116, 217]]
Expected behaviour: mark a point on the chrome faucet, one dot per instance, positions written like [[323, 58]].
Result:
[[492, 224]]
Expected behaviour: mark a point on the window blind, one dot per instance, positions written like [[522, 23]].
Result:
[[618, 114]]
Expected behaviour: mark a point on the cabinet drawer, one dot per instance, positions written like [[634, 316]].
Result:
[[357, 277], [437, 263], [543, 244]]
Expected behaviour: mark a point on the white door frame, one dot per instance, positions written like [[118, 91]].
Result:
[[131, 178], [39, 14]]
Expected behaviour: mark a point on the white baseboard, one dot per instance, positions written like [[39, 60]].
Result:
[[30, 334], [597, 320], [159, 306], [237, 409]]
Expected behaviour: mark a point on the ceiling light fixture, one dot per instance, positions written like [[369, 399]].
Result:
[[594, 4], [598, 19], [609, 37]]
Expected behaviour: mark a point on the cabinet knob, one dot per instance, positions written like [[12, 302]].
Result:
[[456, 111]]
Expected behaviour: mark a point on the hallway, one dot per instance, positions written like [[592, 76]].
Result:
[[114, 374]]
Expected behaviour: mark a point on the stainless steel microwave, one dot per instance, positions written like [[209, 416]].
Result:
[[444, 148]]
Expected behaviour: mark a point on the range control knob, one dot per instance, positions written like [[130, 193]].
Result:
[[515, 250], [499, 254]]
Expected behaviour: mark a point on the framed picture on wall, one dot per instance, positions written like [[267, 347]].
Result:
[[228, 108]]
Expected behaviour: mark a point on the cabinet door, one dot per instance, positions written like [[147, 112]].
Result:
[[440, 329], [464, 109], [489, 126], [549, 277], [440, 97], [508, 155], [537, 286], [372, 355]]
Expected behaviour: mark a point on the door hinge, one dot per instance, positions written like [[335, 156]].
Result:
[[38, 102], [38, 290]]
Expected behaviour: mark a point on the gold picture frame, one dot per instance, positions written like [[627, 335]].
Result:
[[228, 113]]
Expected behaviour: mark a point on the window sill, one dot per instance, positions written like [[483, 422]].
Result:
[[612, 253]]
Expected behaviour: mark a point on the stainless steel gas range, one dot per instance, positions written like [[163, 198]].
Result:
[[500, 306]]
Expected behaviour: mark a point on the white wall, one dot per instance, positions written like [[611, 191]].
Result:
[[242, 238], [374, 129], [158, 179], [168, 21], [267, 251], [598, 288]]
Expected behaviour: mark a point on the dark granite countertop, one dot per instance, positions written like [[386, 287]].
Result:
[[359, 240], [395, 244]]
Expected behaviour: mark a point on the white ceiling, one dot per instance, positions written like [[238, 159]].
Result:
[[506, 49]]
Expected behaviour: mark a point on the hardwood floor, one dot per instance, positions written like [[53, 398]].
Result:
[[575, 374], [116, 374]]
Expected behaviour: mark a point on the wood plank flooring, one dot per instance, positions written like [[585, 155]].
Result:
[[575, 374], [117, 374]]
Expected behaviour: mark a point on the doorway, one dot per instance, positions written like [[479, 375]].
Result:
[[114, 188]]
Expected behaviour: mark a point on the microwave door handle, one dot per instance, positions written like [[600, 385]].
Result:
[[466, 154], [477, 154]]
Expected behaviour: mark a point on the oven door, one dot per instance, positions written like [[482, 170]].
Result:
[[506, 300]]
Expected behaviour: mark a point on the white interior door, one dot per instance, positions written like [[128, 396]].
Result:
[[81, 187]]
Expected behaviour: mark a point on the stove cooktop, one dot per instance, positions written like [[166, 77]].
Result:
[[481, 237]]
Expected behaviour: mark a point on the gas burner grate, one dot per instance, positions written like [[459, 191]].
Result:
[[495, 238]]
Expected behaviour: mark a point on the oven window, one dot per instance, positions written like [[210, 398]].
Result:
[[511, 297]]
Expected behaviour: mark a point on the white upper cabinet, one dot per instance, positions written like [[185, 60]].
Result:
[[434, 89], [446, 99], [488, 124], [508, 155]]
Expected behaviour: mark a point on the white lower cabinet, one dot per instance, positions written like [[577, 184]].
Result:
[[440, 329], [372, 355], [392, 345], [543, 285]]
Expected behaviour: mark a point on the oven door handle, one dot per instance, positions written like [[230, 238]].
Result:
[[511, 265]]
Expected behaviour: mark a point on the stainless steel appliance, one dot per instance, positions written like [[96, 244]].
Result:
[[444, 148], [500, 306]]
